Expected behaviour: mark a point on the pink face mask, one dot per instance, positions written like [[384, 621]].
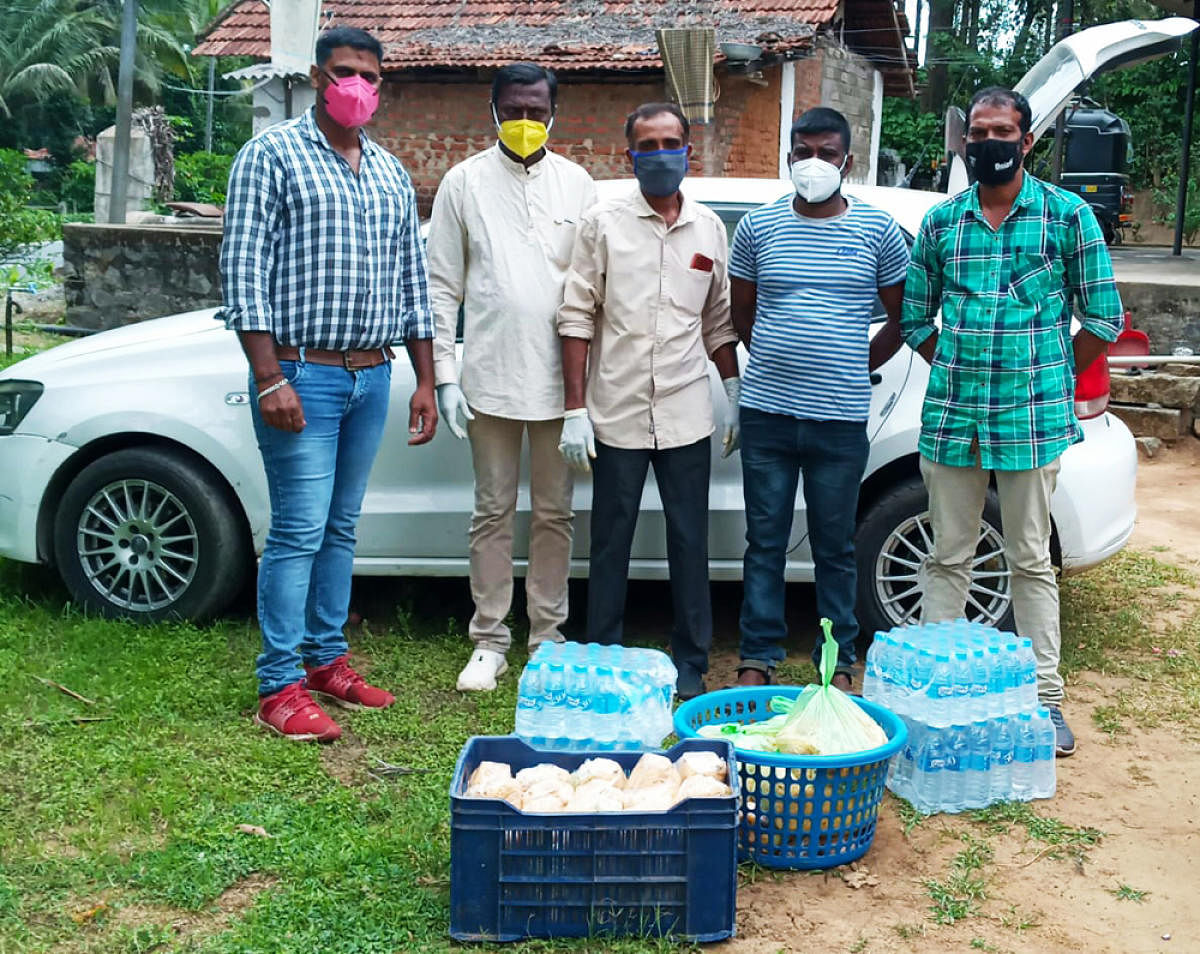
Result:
[[350, 101]]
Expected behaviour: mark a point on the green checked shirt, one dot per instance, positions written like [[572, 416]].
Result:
[[1003, 373]]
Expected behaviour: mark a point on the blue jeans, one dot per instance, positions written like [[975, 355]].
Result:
[[316, 480], [832, 456]]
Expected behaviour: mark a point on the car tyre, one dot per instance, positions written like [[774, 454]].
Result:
[[894, 532], [150, 534]]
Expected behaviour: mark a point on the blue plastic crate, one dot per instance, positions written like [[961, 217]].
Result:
[[800, 811], [649, 874]]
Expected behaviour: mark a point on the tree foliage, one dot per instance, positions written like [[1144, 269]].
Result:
[[973, 43]]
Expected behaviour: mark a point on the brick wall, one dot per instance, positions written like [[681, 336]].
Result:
[[848, 85], [433, 125]]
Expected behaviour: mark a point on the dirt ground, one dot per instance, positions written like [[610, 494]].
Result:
[[1139, 788]]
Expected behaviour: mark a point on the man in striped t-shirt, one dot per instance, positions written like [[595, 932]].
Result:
[[804, 273]]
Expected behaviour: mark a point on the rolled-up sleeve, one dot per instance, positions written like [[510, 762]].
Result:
[[716, 325], [583, 294], [447, 251], [252, 214], [1090, 277], [922, 288]]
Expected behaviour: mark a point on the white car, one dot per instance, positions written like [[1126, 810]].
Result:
[[130, 464]]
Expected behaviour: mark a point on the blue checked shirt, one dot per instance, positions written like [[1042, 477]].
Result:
[[317, 256]]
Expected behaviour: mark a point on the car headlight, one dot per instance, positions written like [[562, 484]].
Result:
[[16, 400]]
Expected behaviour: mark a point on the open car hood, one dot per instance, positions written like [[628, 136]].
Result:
[[1074, 60]]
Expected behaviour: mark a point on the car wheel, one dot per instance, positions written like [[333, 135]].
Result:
[[892, 545], [150, 534]]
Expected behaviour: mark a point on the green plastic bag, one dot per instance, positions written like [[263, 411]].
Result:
[[826, 721]]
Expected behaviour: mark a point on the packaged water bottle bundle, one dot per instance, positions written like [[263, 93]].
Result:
[[968, 694], [603, 698]]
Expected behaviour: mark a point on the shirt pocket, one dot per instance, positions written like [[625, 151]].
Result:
[[689, 292], [1031, 279], [386, 213], [558, 239]]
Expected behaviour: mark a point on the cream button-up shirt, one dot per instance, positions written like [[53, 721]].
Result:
[[654, 302], [499, 245]]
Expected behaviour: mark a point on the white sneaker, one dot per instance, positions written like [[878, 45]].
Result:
[[481, 673]]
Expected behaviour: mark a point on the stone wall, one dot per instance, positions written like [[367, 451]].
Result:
[[119, 274]]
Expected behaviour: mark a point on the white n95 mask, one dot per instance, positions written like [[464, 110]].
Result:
[[815, 179]]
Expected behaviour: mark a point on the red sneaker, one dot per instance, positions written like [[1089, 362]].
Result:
[[295, 715], [340, 684]]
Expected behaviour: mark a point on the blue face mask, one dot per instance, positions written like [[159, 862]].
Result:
[[660, 172]]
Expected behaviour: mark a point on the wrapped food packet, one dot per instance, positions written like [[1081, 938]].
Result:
[[545, 772], [702, 763], [702, 786], [603, 769], [653, 769], [826, 721]]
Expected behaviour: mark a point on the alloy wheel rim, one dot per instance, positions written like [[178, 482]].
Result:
[[900, 573], [138, 545]]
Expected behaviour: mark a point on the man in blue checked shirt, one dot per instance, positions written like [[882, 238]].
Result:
[[322, 270], [804, 273]]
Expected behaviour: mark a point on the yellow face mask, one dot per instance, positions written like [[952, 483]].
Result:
[[523, 137]]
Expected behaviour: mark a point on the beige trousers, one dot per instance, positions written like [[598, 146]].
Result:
[[496, 452], [956, 499]]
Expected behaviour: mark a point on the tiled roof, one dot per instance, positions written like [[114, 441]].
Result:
[[564, 34]]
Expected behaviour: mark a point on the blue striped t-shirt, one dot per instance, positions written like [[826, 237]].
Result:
[[817, 280]]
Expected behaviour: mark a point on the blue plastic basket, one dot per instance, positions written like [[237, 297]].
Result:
[[799, 811], [651, 874]]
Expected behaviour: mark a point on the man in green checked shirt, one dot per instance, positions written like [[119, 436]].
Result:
[[1005, 261]]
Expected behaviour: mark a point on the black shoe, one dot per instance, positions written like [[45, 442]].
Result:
[[1064, 738], [689, 684]]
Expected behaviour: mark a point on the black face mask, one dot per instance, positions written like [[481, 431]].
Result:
[[994, 161]]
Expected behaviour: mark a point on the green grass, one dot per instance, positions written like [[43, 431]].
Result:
[[121, 834], [1124, 892], [958, 895]]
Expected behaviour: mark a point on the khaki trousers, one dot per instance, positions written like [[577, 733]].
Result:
[[496, 452], [956, 499]]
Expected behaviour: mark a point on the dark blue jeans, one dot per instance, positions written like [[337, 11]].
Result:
[[316, 480], [682, 475], [831, 455]]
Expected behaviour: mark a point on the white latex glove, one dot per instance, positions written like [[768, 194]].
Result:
[[452, 404], [578, 441], [733, 426]]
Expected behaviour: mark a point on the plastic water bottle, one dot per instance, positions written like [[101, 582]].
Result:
[[960, 676], [997, 700], [604, 709], [1012, 677], [555, 720], [901, 767], [1024, 754], [1003, 744], [871, 679], [579, 724], [977, 694], [530, 700], [954, 788], [940, 694], [928, 773], [977, 792], [1028, 671], [1044, 768]]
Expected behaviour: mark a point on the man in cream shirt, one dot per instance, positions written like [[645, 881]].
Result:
[[646, 307], [500, 242]]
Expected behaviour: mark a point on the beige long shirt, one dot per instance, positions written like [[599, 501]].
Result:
[[499, 245], [654, 302]]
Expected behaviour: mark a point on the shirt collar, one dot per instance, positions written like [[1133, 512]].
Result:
[[1025, 198], [687, 208], [519, 168], [309, 127]]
